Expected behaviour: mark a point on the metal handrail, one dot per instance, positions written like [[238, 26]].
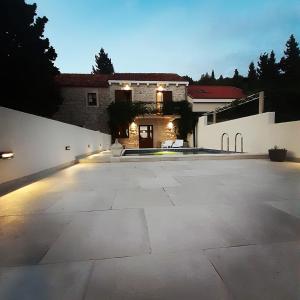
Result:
[[237, 102], [235, 142], [222, 141]]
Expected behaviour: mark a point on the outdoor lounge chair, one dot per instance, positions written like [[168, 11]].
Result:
[[178, 144], [167, 144]]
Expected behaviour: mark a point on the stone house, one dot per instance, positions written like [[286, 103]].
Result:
[[87, 97]]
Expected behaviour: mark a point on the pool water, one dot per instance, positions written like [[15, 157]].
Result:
[[171, 151]]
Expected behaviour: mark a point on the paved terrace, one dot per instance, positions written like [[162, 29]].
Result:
[[159, 230]]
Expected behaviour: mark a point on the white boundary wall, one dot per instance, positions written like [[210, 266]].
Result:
[[39, 143], [260, 133]]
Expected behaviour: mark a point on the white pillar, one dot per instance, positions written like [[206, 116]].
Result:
[[261, 104]]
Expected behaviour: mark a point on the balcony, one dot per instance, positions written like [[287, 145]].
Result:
[[159, 108]]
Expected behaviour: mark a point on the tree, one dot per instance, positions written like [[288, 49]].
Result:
[[236, 74], [252, 75], [262, 70], [103, 63], [189, 79], [26, 60], [212, 76], [290, 63], [268, 69]]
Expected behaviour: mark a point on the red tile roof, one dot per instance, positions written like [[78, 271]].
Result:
[[147, 77], [91, 80], [214, 92], [82, 80]]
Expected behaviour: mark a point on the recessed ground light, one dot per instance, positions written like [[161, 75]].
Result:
[[6, 155], [68, 147]]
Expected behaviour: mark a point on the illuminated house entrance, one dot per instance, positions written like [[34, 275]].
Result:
[[146, 136]]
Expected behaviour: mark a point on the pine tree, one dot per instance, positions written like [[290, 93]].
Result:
[[26, 60], [290, 63], [268, 69], [103, 63], [252, 75], [262, 70]]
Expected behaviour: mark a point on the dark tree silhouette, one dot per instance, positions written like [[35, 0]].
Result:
[[290, 63], [103, 64], [188, 78], [268, 69], [252, 75], [26, 60], [212, 76]]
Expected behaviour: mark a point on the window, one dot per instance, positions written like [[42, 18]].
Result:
[[92, 99], [167, 96], [123, 95], [163, 99], [122, 131]]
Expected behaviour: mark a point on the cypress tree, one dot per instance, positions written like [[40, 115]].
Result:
[[213, 75]]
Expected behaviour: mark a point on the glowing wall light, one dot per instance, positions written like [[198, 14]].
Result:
[[170, 125], [127, 87], [6, 155], [133, 126]]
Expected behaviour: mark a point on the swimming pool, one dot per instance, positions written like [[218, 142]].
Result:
[[171, 151]]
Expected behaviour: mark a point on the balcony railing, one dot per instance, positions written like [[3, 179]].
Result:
[[160, 108]]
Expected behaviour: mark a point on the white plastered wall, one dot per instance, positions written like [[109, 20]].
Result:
[[260, 133], [39, 143]]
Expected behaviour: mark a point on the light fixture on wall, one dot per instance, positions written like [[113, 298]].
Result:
[[126, 87], [68, 148], [170, 125], [133, 126], [89, 146], [7, 155]]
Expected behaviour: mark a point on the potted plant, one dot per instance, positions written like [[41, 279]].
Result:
[[277, 154]]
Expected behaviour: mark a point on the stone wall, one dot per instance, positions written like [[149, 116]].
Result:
[[147, 93], [161, 132], [75, 110]]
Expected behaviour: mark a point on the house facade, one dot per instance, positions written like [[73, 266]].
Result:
[[87, 97]]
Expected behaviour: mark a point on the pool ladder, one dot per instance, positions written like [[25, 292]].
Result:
[[225, 135]]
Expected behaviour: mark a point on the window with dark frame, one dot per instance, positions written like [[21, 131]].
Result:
[[92, 99], [167, 96], [123, 95]]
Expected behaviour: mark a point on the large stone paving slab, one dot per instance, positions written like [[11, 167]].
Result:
[[291, 207], [187, 227], [258, 223], [98, 235], [269, 272], [160, 277], [218, 225], [49, 282], [26, 239], [138, 197], [83, 201], [157, 182]]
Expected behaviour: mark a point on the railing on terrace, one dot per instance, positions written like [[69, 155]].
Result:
[[159, 108], [244, 107]]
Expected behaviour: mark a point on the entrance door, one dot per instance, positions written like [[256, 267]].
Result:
[[146, 136]]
